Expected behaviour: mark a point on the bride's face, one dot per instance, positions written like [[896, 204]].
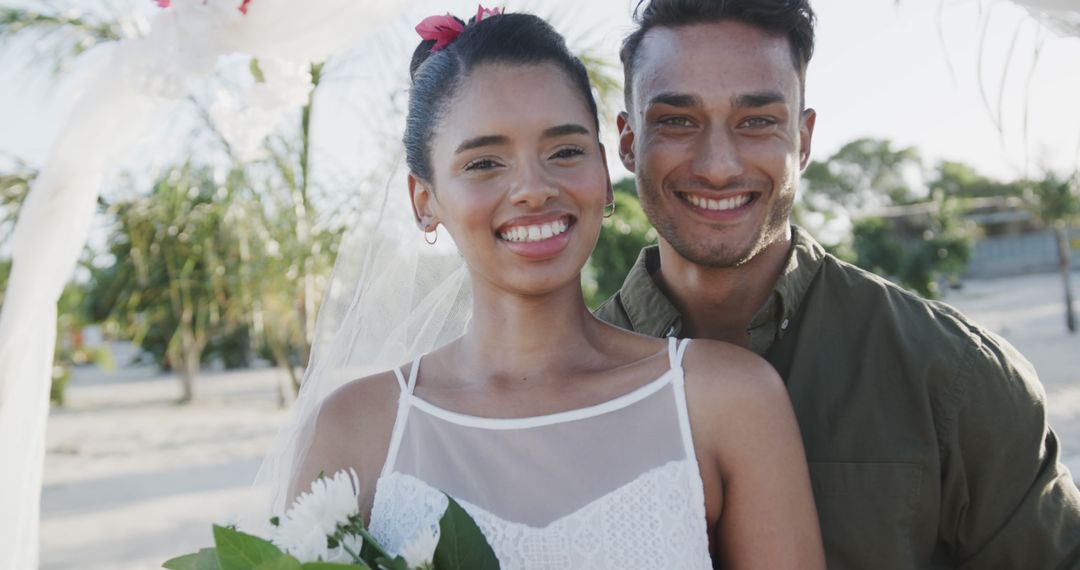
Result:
[[519, 177]]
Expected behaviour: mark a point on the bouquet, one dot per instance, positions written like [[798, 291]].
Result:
[[324, 530]]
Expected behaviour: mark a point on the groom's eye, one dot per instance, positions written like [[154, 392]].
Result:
[[675, 121]]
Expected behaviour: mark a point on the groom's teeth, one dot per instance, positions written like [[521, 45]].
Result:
[[535, 233], [719, 205]]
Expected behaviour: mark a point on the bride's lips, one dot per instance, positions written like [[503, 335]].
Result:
[[537, 237]]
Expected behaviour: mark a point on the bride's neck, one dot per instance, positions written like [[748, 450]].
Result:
[[511, 334]]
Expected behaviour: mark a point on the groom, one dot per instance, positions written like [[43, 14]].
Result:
[[926, 435]]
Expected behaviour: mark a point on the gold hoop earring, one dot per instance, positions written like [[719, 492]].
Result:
[[609, 208], [433, 240]]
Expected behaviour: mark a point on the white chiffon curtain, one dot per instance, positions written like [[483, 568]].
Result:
[[113, 110]]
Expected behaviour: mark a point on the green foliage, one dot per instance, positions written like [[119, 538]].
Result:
[[863, 174], [205, 559], [939, 249], [959, 180], [66, 32], [875, 247], [14, 187], [1054, 200], [5, 271], [70, 350], [461, 544], [240, 551], [172, 286], [621, 239]]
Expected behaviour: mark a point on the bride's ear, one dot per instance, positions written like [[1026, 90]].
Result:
[[424, 204]]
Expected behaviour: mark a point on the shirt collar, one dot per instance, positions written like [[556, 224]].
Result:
[[804, 261], [651, 312], [648, 308]]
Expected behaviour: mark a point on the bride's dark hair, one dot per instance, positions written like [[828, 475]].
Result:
[[506, 38]]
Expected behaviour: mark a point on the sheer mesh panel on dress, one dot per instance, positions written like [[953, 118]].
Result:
[[534, 474]]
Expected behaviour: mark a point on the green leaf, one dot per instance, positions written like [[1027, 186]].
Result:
[[240, 551], [256, 71], [461, 544], [398, 563], [333, 566], [204, 559], [285, 562]]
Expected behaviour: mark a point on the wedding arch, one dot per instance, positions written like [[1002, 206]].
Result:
[[119, 97]]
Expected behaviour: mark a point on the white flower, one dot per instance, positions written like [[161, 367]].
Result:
[[420, 550], [314, 516]]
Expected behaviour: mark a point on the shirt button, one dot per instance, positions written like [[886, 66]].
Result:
[[784, 325]]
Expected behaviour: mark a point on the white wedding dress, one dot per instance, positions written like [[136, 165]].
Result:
[[614, 485]]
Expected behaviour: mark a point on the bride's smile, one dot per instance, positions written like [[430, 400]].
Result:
[[518, 178]]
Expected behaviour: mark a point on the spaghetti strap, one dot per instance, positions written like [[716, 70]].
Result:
[[676, 350], [401, 379], [413, 371]]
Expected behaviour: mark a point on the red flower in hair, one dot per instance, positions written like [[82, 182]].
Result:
[[482, 12], [441, 29]]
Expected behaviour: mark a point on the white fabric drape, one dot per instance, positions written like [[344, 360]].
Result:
[[1062, 16], [112, 110]]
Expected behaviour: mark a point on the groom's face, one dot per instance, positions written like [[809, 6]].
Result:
[[716, 137]]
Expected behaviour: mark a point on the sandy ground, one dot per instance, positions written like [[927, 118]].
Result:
[[132, 479]]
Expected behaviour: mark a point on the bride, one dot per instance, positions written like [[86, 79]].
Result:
[[572, 443]]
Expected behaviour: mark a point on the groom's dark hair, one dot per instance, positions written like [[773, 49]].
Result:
[[791, 18], [506, 38]]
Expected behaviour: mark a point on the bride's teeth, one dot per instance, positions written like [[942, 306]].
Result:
[[535, 233]]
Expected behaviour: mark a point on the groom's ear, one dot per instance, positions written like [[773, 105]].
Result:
[[626, 142], [424, 204], [609, 196]]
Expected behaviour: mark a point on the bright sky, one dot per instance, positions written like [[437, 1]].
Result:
[[881, 69]]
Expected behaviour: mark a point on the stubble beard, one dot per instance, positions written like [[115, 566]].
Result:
[[722, 255]]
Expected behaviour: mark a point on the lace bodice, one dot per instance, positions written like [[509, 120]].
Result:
[[614, 485]]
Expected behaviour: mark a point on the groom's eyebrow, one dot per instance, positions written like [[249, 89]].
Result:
[[681, 100], [481, 141]]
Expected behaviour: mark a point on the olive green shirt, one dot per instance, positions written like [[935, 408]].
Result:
[[926, 434]]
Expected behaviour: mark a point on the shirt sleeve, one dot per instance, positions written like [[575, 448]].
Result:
[[1007, 501]]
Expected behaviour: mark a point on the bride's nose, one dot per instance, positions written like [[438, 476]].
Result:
[[534, 187]]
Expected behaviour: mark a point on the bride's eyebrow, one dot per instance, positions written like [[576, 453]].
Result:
[[494, 140], [481, 141], [563, 130]]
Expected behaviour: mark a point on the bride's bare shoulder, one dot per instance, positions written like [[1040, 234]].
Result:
[[732, 381], [363, 404], [350, 429]]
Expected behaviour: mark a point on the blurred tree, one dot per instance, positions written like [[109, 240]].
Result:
[[1056, 203], [876, 248], [621, 239], [172, 285], [919, 242], [863, 175], [956, 179]]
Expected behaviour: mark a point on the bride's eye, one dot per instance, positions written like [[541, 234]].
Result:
[[481, 164], [568, 152]]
